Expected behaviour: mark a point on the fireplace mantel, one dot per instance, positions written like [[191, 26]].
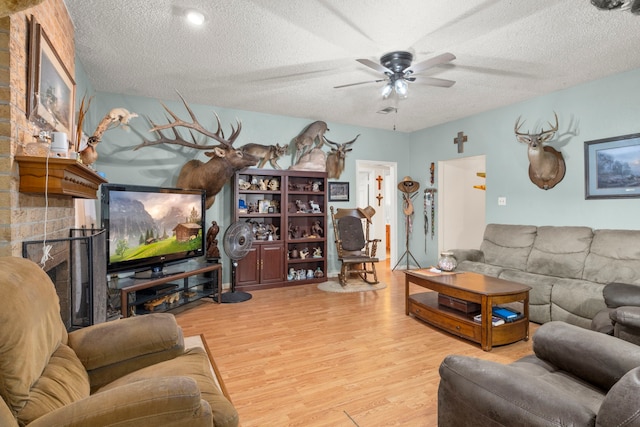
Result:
[[67, 177]]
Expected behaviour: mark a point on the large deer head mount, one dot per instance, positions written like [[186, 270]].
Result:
[[546, 164], [224, 160]]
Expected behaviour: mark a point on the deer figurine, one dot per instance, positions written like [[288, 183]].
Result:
[[335, 158], [224, 160], [546, 164]]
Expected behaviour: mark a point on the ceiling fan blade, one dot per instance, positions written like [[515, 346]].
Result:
[[369, 63], [360, 83], [433, 81], [432, 62]]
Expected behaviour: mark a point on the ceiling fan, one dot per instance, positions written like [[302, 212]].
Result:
[[398, 71], [631, 5]]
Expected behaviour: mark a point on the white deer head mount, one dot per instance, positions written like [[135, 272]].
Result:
[[546, 164]]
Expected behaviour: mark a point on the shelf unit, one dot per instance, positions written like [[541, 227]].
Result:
[[289, 222], [185, 282]]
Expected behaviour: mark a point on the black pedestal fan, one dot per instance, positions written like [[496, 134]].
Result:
[[237, 242]]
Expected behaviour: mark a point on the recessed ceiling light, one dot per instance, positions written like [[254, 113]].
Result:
[[195, 17]]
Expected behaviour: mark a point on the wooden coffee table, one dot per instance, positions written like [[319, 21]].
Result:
[[473, 287]]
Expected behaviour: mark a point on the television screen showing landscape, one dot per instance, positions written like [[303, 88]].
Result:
[[152, 224]]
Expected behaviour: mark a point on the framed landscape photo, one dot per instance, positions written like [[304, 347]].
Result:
[[338, 191], [612, 167], [51, 89]]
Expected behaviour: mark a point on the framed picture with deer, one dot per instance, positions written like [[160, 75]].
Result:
[[51, 89], [612, 167], [338, 191]]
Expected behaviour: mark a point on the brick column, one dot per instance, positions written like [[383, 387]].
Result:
[[22, 216]]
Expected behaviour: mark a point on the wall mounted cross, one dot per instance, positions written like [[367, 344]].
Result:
[[379, 179], [460, 140]]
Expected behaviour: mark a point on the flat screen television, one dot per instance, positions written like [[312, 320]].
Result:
[[150, 227]]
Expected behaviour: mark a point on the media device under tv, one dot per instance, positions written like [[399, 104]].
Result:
[[150, 227]]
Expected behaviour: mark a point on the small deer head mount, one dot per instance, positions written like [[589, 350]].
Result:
[[546, 164]]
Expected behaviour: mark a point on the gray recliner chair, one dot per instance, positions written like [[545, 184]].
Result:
[[576, 377], [621, 318]]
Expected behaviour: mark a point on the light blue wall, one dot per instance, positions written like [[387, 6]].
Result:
[[159, 166], [600, 109], [605, 108]]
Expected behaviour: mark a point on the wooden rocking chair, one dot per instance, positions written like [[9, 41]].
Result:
[[356, 251]]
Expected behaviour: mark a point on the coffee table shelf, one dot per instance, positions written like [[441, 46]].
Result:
[[473, 287]]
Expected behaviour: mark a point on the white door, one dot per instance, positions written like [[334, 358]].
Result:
[[461, 205]]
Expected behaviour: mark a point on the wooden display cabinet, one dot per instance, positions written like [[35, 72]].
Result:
[[288, 213], [263, 265]]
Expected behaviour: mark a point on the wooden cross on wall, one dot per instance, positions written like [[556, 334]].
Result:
[[460, 140], [379, 179]]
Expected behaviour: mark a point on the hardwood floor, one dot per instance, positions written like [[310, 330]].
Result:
[[299, 356]]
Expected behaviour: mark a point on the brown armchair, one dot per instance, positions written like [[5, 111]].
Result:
[[129, 372], [356, 251]]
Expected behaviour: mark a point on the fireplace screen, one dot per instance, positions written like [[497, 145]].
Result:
[[77, 266]]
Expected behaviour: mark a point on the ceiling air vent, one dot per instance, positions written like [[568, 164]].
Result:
[[388, 110]]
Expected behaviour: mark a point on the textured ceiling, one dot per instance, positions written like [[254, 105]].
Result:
[[284, 57]]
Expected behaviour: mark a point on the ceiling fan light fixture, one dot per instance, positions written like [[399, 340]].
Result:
[[386, 90], [401, 87]]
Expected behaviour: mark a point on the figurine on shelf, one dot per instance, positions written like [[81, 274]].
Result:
[[301, 206], [259, 230], [309, 274], [315, 208], [273, 232], [262, 184], [318, 273], [292, 274], [316, 229], [294, 231], [295, 254], [243, 185], [254, 183], [317, 252], [274, 185], [316, 186], [304, 253]]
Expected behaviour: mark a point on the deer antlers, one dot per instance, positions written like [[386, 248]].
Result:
[[194, 125], [541, 137]]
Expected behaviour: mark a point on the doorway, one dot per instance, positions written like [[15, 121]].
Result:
[[375, 182], [461, 203]]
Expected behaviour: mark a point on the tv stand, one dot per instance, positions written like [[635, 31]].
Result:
[[155, 273], [169, 288]]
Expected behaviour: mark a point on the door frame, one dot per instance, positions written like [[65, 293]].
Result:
[[455, 215], [390, 169]]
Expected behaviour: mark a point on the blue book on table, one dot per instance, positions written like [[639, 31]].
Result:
[[505, 313]]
